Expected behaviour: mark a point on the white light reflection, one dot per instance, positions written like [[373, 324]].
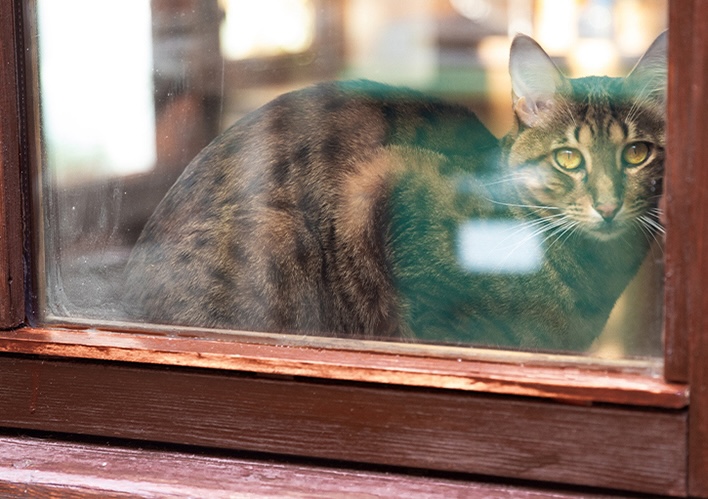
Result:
[[266, 27], [556, 27], [499, 246], [476, 10], [595, 56], [96, 87]]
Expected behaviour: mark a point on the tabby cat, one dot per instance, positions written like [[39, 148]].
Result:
[[354, 209]]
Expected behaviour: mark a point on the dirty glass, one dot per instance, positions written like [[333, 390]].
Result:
[[436, 190]]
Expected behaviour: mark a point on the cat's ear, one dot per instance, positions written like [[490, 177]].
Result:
[[535, 80], [648, 77]]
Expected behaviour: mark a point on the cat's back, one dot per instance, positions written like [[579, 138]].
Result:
[[254, 232], [309, 139]]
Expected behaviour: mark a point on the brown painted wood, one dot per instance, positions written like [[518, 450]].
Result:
[[681, 199], [51, 468], [687, 214], [11, 268], [692, 16], [420, 428], [557, 377], [439, 429]]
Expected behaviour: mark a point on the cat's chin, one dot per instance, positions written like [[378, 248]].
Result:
[[605, 232]]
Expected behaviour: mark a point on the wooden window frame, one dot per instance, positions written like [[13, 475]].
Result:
[[507, 416]]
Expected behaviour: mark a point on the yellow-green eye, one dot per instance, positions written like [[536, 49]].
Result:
[[568, 159], [635, 154]]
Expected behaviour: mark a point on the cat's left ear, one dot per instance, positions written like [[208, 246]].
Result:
[[649, 75], [535, 80]]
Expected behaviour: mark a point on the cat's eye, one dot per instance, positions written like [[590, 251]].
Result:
[[635, 154], [568, 158]]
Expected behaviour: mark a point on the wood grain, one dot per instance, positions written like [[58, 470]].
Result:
[[11, 268], [555, 377], [420, 428], [442, 429], [682, 200], [686, 207], [50, 468], [694, 17]]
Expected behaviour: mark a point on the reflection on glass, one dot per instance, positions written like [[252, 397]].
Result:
[[359, 209], [499, 246], [84, 82], [266, 27]]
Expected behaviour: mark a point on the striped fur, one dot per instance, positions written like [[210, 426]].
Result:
[[336, 210]]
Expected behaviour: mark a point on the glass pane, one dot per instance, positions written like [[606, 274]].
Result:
[[406, 171]]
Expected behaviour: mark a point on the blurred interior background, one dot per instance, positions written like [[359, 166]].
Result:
[[130, 91]]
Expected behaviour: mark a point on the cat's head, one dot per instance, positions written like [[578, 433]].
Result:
[[588, 152]]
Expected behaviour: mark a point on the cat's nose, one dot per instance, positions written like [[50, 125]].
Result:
[[608, 210]]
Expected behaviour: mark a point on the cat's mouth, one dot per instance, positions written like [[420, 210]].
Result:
[[604, 222], [607, 231]]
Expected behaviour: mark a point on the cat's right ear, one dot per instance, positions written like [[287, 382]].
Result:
[[648, 78], [535, 80]]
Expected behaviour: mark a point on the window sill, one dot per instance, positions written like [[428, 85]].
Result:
[[117, 389], [51, 468], [576, 380]]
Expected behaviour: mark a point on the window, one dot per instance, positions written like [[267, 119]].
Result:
[[474, 255], [630, 432]]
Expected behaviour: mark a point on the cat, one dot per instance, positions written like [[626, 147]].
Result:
[[348, 209]]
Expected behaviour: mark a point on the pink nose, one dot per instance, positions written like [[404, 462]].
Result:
[[607, 210]]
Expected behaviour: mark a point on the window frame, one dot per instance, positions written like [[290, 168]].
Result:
[[580, 425]]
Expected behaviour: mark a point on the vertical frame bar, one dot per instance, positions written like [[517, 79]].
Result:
[[687, 216], [697, 93], [12, 303], [681, 199]]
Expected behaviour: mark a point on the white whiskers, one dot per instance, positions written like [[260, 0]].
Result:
[[513, 177], [535, 233], [531, 206], [651, 227]]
